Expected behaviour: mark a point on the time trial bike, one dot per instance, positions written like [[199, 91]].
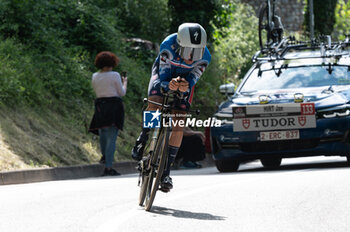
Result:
[[155, 154]]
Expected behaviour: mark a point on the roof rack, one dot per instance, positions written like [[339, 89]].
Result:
[[324, 44]]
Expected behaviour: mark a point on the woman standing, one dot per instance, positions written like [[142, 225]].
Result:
[[108, 118]]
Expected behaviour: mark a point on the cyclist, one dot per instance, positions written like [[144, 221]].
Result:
[[182, 59]]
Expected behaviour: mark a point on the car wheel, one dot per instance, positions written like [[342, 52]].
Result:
[[227, 165], [271, 162], [348, 158]]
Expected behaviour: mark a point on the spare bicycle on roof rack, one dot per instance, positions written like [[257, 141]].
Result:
[[270, 25], [293, 102], [272, 42]]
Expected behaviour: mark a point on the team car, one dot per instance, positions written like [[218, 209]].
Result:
[[293, 102]]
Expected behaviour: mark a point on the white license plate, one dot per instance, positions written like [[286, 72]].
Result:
[[279, 135]]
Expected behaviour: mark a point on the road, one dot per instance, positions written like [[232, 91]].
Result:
[[306, 194]]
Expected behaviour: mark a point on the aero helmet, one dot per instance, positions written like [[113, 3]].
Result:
[[192, 39]]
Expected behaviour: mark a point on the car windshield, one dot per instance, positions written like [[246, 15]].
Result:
[[297, 77]]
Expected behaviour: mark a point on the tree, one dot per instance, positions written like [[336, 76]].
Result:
[[342, 16], [324, 16], [146, 19], [196, 11], [236, 42]]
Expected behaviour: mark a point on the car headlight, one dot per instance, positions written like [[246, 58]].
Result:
[[338, 111]]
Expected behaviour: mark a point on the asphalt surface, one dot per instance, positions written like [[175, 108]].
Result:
[[304, 195], [71, 172]]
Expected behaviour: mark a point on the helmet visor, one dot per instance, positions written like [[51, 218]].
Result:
[[193, 54]]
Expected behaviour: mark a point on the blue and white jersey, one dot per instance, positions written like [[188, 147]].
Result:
[[170, 65]]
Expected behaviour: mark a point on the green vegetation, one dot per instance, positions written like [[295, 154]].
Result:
[[236, 43], [199, 11], [47, 50], [324, 16], [342, 19], [147, 19]]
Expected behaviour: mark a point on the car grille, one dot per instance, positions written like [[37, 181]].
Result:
[[279, 145]]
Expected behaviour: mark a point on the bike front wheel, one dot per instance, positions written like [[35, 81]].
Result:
[[157, 164]]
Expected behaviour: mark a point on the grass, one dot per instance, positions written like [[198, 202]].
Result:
[[39, 138], [33, 138]]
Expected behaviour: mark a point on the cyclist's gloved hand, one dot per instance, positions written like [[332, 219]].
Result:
[[184, 85], [174, 84]]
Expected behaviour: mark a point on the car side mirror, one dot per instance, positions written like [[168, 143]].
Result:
[[227, 89]]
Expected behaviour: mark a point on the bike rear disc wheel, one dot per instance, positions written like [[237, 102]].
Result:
[[144, 184], [161, 152], [142, 195], [145, 173]]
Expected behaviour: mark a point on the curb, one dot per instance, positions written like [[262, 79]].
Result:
[[62, 173], [72, 172]]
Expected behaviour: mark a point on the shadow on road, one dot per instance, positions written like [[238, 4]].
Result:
[[299, 166], [256, 166], [186, 214]]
